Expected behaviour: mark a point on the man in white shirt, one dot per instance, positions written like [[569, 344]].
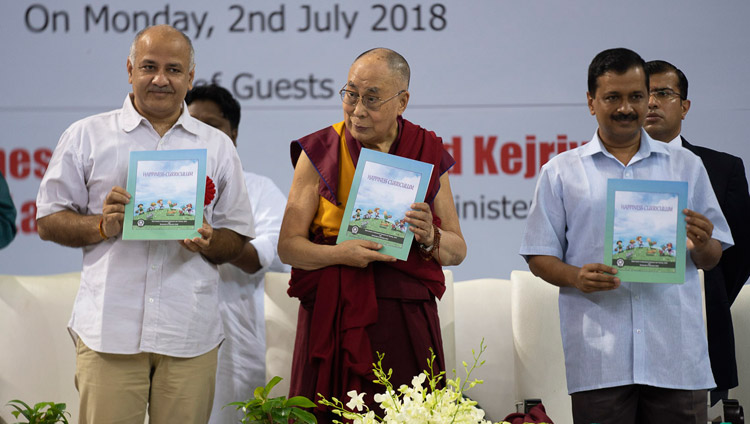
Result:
[[242, 355], [145, 321]]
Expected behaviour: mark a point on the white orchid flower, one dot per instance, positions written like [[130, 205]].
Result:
[[357, 400], [417, 381]]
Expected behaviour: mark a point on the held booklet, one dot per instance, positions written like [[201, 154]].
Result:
[[167, 189], [645, 230], [383, 189]]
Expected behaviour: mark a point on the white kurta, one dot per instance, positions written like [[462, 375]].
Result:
[[242, 355]]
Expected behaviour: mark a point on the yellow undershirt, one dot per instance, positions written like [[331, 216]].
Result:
[[328, 217]]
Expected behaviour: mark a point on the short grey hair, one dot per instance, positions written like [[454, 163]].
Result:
[[396, 63], [140, 34]]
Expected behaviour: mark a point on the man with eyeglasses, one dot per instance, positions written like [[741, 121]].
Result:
[[634, 352], [356, 301], [668, 105]]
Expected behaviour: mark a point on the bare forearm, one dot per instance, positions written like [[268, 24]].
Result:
[[589, 278], [225, 246], [708, 257], [301, 253], [554, 271], [248, 259], [452, 249], [70, 229]]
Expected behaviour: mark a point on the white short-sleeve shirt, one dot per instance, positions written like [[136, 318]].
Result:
[[143, 296]]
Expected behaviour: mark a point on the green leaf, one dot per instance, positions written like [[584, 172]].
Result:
[[280, 415], [239, 405], [274, 403], [274, 381], [251, 404], [304, 416], [300, 401], [259, 393], [21, 402]]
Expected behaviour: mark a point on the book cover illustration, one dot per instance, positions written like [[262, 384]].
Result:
[[167, 189], [383, 189], [645, 237]]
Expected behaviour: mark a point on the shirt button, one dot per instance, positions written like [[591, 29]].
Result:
[[153, 266], [637, 297], [638, 331], [151, 300]]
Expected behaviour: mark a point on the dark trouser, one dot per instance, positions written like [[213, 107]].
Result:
[[640, 404]]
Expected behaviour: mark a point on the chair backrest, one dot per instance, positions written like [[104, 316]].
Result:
[[483, 311], [539, 358], [281, 327], [447, 315], [280, 312], [37, 357], [741, 323]]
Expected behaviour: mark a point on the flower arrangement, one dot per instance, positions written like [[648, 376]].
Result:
[[423, 402]]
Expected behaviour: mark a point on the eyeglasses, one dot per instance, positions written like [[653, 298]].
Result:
[[664, 94], [370, 102]]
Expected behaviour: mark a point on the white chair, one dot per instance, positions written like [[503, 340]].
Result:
[[37, 358], [539, 360], [483, 311], [741, 323], [447, 315], [281, 326]]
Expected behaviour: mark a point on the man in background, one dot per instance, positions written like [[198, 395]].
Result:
[[668, 105], [242, 361]]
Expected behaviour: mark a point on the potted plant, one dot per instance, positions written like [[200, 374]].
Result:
[[41, 413], [279, 410]]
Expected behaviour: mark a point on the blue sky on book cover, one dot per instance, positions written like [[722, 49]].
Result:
[[387, 188], [658, 210], [152, 175]]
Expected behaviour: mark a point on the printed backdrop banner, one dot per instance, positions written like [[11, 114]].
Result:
[[503, 82]]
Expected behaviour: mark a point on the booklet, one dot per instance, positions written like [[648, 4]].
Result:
[[645, 230], [383, 189], [167, 189]]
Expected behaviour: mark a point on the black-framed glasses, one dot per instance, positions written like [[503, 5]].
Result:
[[372, 103], [664, 94]]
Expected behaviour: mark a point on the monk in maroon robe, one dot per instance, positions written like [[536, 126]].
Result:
[[355, 300]]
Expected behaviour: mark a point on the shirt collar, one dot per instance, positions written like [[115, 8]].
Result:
[[648, 146], [131, 118], [677, 141]]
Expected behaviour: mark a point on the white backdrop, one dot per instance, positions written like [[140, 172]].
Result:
[[503, 82]]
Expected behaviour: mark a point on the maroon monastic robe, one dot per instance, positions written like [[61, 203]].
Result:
[[346, 313]]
